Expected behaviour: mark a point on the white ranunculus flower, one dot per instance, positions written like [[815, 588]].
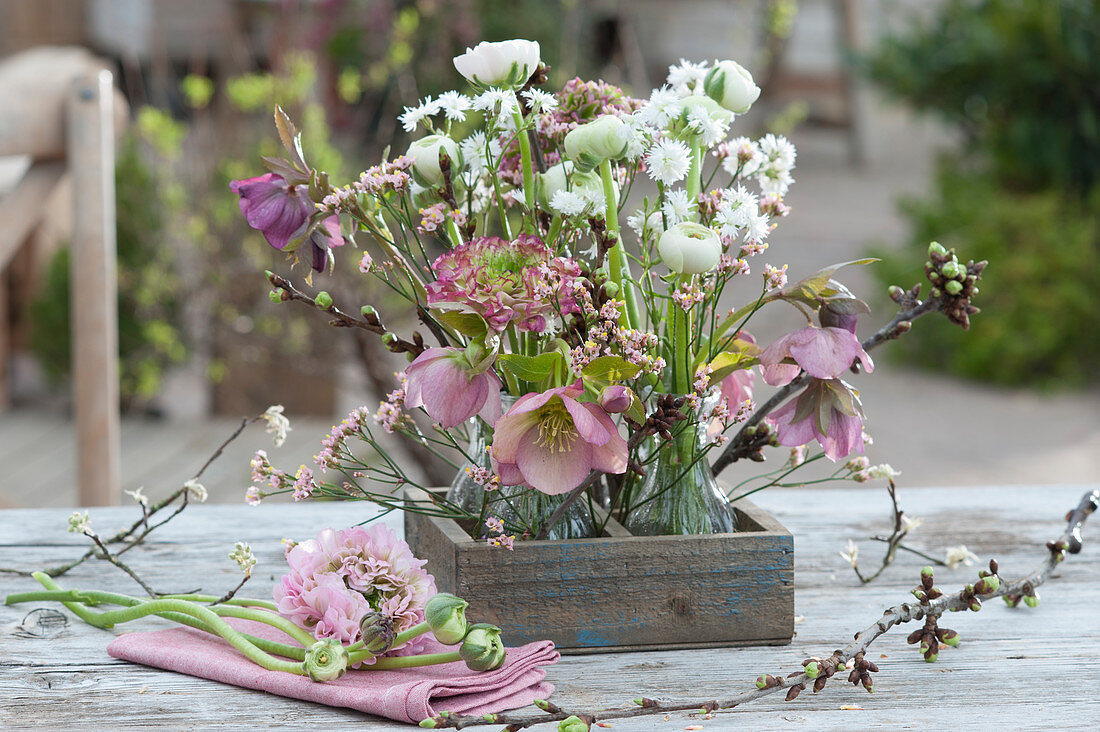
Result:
[[689, 248], [731, 85], [425, 155], [504, 63]]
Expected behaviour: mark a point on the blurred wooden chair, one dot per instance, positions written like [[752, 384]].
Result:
[[59, 107]]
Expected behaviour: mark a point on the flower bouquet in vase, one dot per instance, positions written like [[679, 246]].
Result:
[[586, 378]]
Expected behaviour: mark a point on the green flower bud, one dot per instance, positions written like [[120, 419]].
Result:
[[545, 705], [446, 614], [713, 110], [276, 295], [611, 289], [377, 633], [367, 311], [975, 604], [573, 724], [953, 287], [425, 155], [592, 143], [564, 176], [482, 649], [936, 292], [389, 338], [974, 291], [936, 248], [323, 300], [926, 572], [813, 669], [326, 660], [491, 718], [1031, 600], [988, 585], [918, 593], [931, 657], [950, 638], [428, 723], [950, 269], [690, 248], [1011, 601], [731, 85]]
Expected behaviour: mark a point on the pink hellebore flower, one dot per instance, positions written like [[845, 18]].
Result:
[[828, 411], [273, 207], [451, 390], [823, 353], [281, 212], [551, 441], [736, 388]]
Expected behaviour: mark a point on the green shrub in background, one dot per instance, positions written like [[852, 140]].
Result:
[[1021, 79], [1040, 316], [149, 335]]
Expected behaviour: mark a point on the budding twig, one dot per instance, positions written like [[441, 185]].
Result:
[[851, 658]]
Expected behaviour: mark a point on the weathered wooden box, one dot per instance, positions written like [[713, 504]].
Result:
[[621, 592]]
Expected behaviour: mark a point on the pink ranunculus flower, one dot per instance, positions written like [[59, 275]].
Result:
[[451, 390], [340, 576], [828, 411], [823, 353], [551, 441], [505, 282]]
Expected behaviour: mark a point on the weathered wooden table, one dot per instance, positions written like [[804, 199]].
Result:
[[1022, 669]]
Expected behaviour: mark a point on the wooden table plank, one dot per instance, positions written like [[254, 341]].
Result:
[[1032, 667]]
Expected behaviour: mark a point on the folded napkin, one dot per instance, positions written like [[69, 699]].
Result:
[[408, 695]]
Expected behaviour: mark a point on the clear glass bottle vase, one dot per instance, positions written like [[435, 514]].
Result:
[[680, 494]]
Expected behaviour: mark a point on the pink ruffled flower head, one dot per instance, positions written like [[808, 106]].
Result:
[[828, 411], [551, 441], [823, 353], [451, 390], [504, 282], [335, 579]]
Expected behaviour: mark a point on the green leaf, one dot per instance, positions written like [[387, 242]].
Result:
[[610, 369], [530, 368], [468, 324], [727, 362], [290, 136], [810, 288]]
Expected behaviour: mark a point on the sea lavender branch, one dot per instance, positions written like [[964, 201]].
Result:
[[851, 658]]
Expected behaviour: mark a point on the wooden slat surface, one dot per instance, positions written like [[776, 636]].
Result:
[[1019, 669]]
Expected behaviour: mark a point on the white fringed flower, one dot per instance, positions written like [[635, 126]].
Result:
[[277, 423], [668, 161]]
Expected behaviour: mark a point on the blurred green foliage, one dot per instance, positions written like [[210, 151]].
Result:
[[149, 330], [1021, 80], [1039, 296], [1020, 77]]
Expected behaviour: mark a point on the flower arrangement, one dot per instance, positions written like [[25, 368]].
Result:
[[581, 370]]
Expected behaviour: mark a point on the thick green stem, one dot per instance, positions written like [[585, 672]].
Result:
[[528, 174], [694, 177], [407, 635], [453, 234], [617, 264], [396, 662]]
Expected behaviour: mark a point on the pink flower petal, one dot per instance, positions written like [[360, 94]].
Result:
[[588, 427], [609, 457], [550, 471], [509, 430]]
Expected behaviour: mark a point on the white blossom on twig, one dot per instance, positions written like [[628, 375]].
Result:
[[277, 423]]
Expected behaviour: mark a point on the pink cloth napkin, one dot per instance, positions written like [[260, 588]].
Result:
[[408, 695]]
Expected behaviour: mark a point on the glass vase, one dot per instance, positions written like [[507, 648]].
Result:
[[465, 492], [680, 494], [526, 509]]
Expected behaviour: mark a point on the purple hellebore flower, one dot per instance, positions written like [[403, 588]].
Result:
[[273, 207], [551, 441], [321, 240], [828, 411], [451, 391], [823, 353]]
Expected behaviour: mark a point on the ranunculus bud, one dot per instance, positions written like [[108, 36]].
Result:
[[503, 63], [592, 143], [616, 398], [446, 614], [377, 632], [425, 155], [731, 85], [690, 248], [562, 177], [482, 649], [713, 109], [326, 660], [573, 724]]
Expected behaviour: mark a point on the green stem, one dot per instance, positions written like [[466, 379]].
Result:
[[397, 662], [241, 601], [555, 230], [694, 177], [528, 174], [453, 234], [617, 264], [407, 635]]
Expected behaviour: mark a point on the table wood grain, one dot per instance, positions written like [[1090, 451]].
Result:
[[1022, 669]]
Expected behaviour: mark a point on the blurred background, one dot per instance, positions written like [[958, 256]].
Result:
[[973, 122]]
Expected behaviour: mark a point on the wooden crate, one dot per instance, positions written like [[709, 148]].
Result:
[[621, 592]]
